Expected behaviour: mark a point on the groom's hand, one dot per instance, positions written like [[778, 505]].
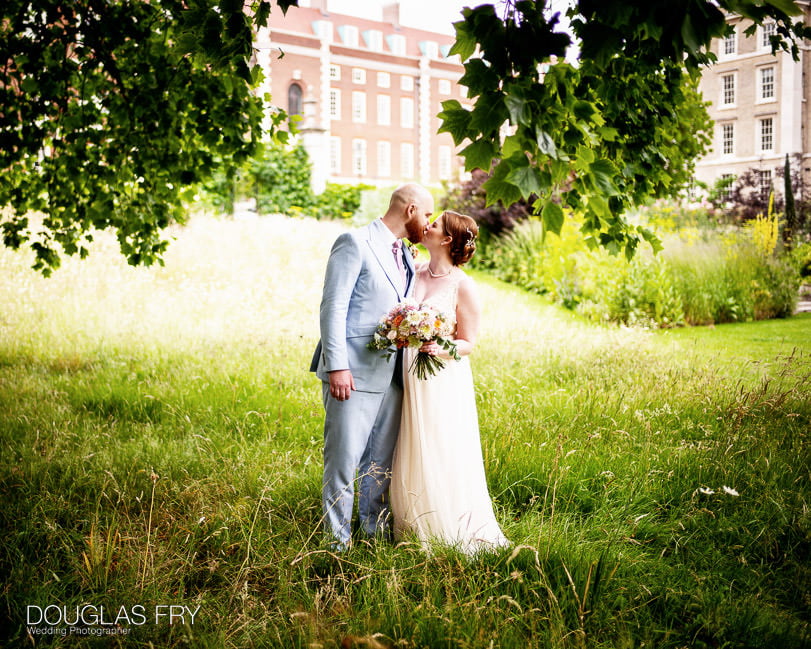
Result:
[[341, 384]]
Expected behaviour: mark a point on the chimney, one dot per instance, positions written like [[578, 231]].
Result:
[[391, 14], [319, 4]]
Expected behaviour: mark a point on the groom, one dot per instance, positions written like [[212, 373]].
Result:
[[368, 272]]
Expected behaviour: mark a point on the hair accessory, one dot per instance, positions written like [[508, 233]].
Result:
[[471, 240]]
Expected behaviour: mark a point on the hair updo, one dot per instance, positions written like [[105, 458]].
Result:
[[463, 232]]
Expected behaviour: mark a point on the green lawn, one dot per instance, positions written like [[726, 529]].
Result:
[[161, 446]]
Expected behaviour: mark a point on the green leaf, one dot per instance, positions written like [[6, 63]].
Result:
[[599, 206], [479, 154], [546, 145], [649, 236], [583, 110], [497, 188], [527, 179], [455, 120], [489, 114], [519, 113], [608, 133], [786, 6], [513, 144], [602, 173], [585, 154], [466, 43], [552, 215], [260, 18]]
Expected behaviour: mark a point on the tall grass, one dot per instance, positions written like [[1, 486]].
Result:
[[704, 276], [162, 445]]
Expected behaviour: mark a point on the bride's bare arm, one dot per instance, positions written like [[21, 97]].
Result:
[[468, 316]]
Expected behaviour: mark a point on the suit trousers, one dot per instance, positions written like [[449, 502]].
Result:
[[359, 435]]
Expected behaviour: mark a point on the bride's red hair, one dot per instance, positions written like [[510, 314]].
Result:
[[463, 232]]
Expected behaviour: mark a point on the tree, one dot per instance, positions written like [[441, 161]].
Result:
[[109, 110], [608, 133], [494, 219], [791, 211]]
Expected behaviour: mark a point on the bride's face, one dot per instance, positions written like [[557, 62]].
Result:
[[434, 235]]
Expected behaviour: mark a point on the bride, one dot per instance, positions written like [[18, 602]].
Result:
[[438, 490]]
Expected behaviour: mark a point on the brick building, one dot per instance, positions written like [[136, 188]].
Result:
[[759, 103], [368, 91]]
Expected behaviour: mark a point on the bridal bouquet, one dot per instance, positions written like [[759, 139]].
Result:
[[410, 324]]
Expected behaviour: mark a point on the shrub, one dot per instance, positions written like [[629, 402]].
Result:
[[705, 277], [801, 259], [281, 179], [779, 289], [338, 201], [278, 178]]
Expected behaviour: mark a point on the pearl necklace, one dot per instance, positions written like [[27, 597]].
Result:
[[438, 275]]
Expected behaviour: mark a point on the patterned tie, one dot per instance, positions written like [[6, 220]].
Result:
[[396, 250]]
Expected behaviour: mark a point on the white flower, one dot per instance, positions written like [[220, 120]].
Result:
[[706, 491], [730, 491], [391, 335]]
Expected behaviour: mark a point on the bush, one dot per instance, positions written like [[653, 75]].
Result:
[[801, 259], [278, 178], [703, 276], [338, 201], [281, 179]]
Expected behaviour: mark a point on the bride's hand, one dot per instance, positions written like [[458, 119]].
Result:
[[431, 348]]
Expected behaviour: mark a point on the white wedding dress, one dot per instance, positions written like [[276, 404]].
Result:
[[438, 490]]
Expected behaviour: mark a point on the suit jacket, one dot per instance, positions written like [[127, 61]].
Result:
[[362, 283]]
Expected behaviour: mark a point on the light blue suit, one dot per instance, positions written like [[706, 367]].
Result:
[[362, 284]]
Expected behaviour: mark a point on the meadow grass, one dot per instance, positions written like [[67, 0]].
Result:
[[162, 446]]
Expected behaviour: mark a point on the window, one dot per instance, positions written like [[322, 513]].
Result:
[[765, 182], [429, 49], [294, 99], [335, 154], [726, 184], [359, 107], [731, 43], [397, 44], [373, 39], [383, 80], [406, 112], [728, 139], [766, 134], [728, 90], [407, 160], [406, 83], [335, 73], [334, 103], [359, 157], [444, 87], [444, 162], [323, 29], [767, 31], [766, 78], [384, 159], [349, 35], [384, 110], [358, 75]]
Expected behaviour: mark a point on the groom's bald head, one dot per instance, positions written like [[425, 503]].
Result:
[[409, 208]]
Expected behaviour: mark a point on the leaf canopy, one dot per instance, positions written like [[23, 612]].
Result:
[[111, 110], [622, 126]]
